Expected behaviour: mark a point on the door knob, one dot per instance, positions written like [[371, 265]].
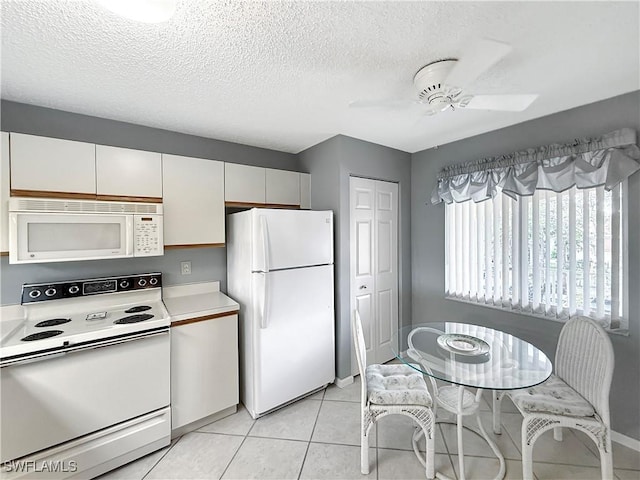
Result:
[[363, 287]]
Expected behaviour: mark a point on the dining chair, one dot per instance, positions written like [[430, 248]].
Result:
[[395, 389], [576, 396]]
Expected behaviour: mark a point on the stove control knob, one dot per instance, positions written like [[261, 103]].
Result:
[[50, 292], [73, 289], [124, 283], [142, 282], [153, 281], [35, 293]]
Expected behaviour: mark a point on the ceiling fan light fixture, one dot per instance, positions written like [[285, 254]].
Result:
[[147, 11]]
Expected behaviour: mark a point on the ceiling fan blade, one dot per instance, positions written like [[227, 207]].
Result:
[[477, 58], [511, 103], [390, 104]]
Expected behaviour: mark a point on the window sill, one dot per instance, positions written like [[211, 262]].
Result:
[[614, 331]]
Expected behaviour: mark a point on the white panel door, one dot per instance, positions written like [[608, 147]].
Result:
[[282, 187], [52, 165], [386, 268], [293, 334], [193, 200], [374, 264], [291, 238], [362, 259], [128, 173]]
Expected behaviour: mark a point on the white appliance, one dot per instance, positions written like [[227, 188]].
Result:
[[280, 270], [85, 377], [55, 230]]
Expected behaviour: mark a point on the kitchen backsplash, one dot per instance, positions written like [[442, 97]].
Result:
[[207, 264]]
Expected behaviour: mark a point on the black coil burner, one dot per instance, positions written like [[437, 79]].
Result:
[[41, 335], [134, 318], [53, 322], [138, 309]]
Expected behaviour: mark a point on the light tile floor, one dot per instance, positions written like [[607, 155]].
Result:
[[317, 438]]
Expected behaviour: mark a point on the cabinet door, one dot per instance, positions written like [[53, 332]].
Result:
[[305, 191], [52, 165], [283, 187], [193, 200], [128, 173], [4, 192], [244, 183], [204, 369]]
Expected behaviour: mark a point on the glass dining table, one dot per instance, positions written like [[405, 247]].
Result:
[[469, 356]]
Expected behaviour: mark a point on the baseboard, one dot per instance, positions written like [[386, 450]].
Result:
[[177, 432], [343, 382], [628, 442]]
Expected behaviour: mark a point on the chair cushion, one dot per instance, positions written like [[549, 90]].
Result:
[[396, 385], [553, 396]]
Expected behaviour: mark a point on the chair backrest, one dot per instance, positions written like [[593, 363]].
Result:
[[361, 353], [585, 361]]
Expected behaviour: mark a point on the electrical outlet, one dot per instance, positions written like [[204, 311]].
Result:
[[185, 268]]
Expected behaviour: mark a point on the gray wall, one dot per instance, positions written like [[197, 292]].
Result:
[[208, 264], [331, 163], [22, 118], [427, 242]]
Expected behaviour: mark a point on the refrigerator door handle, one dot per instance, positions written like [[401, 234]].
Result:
[[265, 303], [264, 232]]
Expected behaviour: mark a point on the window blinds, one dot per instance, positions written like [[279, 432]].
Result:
[[550, 254]]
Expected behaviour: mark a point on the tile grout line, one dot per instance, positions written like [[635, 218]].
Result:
[[171, 445], [304, 459], [239, 446]]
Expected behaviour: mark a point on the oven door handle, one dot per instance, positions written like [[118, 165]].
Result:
[[38, 357]]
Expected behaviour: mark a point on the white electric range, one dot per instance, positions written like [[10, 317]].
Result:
[[85, 377]]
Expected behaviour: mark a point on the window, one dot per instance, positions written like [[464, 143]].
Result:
[[551, 254]]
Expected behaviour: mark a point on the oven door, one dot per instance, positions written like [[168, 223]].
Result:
[[51, 399], [57, 237]]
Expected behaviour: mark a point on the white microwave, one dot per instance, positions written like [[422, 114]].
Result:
[[56, 230]]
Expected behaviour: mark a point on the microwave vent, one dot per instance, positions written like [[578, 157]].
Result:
[[81, 206]]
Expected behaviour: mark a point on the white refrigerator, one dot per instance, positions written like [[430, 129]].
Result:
[[280, 271]]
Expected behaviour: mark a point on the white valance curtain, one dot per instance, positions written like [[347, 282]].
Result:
[[585, 163]]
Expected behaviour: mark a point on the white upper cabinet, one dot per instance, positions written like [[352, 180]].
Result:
[[193, 201], [305, 191], [128, 173], [244, 183], [4, 192], [282, 187], [52, 165]]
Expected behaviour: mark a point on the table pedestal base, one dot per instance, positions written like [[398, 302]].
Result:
[[459, 427]]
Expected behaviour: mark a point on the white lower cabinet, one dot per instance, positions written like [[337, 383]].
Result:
[[204, 368]]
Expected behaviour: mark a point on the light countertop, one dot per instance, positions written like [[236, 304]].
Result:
[[196, 300]]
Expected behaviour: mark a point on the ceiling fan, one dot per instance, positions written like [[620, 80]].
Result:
[[442, 84]]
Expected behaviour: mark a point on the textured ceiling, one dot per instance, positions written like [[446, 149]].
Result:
[[281, 75]]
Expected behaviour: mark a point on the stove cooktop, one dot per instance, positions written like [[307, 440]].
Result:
[[85, 311]]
